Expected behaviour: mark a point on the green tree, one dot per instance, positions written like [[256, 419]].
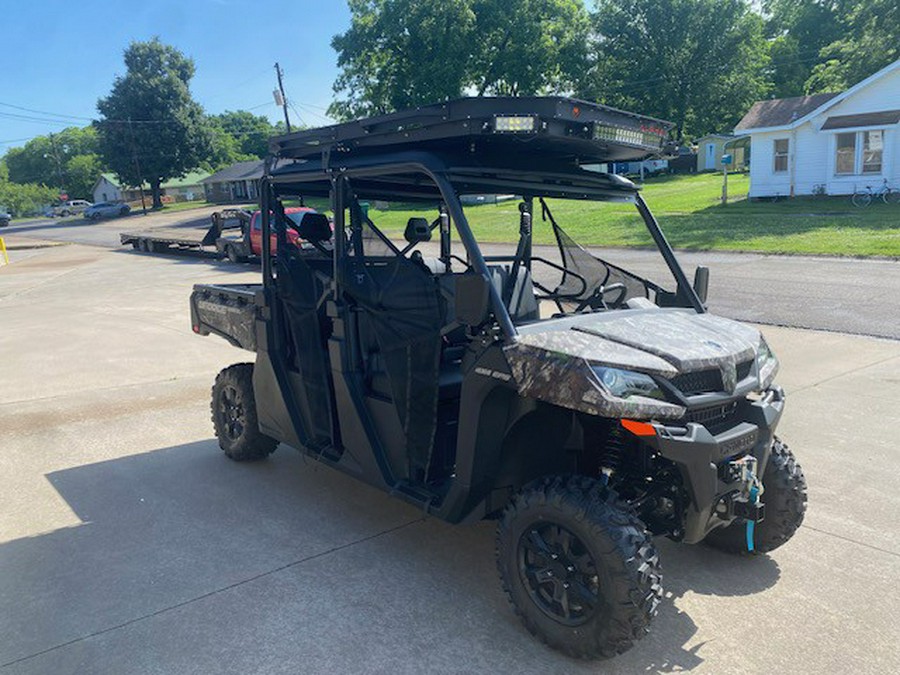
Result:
[[151, 128], [44, 159], [698, 63], [798, 31], [401, 53], [25, 199], [250, 132], [82, 172], [528, 47], [870, 41]]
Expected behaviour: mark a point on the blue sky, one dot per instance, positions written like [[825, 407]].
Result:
[[61, 56]]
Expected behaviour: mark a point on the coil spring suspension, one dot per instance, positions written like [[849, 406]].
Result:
[[612, 459]]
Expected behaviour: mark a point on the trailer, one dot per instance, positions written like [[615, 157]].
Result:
[[160, 239]]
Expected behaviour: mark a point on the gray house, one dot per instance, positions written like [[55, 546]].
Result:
[[236, 183]]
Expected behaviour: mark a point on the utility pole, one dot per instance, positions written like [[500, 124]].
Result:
[[137, 166], [281, 99], [59, 176]]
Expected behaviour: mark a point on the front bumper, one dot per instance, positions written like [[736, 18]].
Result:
[[701, 457]]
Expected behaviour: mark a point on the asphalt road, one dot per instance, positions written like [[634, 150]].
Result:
[[855, 296], [129, 544]]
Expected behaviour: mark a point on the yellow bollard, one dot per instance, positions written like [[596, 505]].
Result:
[[3, 248]]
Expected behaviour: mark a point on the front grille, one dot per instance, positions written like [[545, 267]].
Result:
[[743, 369], [699, 382], [713, 416]]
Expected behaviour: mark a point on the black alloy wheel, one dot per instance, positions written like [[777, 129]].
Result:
[[233, 418], [559, 572], [578, 566], [234, 415]]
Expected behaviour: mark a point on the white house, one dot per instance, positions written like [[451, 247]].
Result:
[[826, 143]]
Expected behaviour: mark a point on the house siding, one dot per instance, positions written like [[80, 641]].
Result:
[[763, 181]]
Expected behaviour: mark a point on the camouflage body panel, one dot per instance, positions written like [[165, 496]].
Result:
[[228, 311], [583, 345], [567, 381], [552, 360]]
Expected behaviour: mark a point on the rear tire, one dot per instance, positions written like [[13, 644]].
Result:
[[578, 566], [232, 254], [234, 416], [785, 499]]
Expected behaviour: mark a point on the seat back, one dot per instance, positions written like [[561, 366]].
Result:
[[522, 304]]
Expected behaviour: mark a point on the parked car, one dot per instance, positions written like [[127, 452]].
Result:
[[106, 210], [4, 218], [70, 208]]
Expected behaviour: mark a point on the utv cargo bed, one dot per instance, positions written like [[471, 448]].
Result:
[[227, 310]]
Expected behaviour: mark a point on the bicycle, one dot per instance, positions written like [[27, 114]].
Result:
[[887, 194]]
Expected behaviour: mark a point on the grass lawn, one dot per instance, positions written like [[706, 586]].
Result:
[[692, 217]]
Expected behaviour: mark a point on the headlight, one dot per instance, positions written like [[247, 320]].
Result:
[[625, 383], [766, 364]]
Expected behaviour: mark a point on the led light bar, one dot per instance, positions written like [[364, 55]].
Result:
[[643, 137], [515, 123]]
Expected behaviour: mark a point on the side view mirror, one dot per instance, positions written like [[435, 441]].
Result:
[[417, 230], [473, 299], [701, 282]]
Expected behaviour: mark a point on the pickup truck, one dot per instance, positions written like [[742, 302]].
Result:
[[69, 208], [249, 245]]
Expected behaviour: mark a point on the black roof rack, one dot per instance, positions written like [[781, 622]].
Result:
[[557, 129]]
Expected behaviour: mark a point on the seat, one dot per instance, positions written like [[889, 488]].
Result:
[[522, 304]]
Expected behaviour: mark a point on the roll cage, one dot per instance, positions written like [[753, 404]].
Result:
[[433, 177]]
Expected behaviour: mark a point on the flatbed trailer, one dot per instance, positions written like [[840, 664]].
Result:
[[160, 239]]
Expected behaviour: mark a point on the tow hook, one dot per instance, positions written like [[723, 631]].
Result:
[[743, 503]]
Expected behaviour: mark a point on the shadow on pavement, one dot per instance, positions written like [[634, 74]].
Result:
[[222, 551]]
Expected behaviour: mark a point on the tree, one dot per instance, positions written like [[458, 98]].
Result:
[[250, 132], [403, 53], [528, 47], [82, 172], [870, 41], [799, 30], [151, 128], [698, 63], [44, 159]]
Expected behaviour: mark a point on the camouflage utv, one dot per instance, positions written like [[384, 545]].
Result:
[[585, 407]]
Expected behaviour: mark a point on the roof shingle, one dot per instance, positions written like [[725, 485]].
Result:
[[779, 112]]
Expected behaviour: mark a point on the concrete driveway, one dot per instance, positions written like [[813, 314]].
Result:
[[129, 544]]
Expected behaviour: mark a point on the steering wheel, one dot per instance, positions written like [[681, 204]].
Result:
[[596, 298]]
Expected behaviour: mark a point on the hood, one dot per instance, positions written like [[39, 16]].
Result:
[[659, 341], [556, 356]]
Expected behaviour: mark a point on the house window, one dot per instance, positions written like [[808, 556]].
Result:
[[845, 160], [859, 152], [873, 145], [781, 155]]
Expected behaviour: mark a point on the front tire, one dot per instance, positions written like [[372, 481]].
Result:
[[578, 566], [861, 199], [785, 499], [891, 197], [234, 416]]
